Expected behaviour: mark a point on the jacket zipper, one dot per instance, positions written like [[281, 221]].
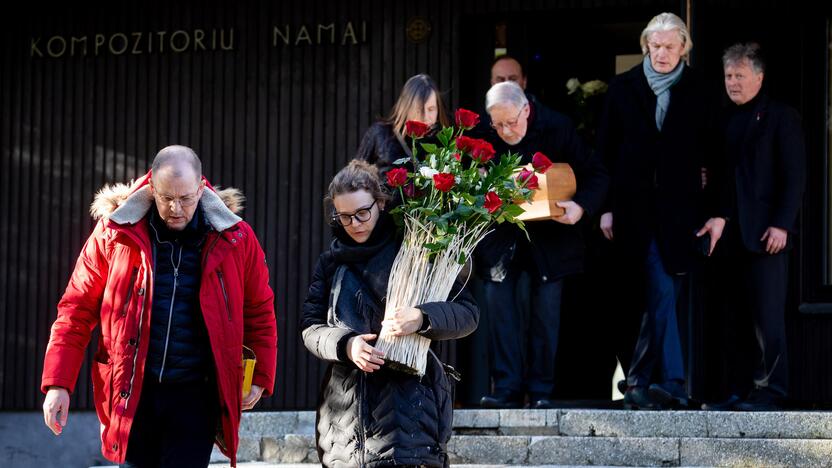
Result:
[[130, 288], [361, 435], [224, 294], [142, 302], [172, 302]]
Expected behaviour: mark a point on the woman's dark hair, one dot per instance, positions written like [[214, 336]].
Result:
[[356, 175]]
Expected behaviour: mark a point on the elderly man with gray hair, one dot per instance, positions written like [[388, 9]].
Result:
[[178, 283], [553, 250]]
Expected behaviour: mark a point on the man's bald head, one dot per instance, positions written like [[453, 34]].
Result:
[[176, 185], [177, 161]]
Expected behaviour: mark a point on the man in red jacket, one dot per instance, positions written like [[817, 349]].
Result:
[[179, 284]]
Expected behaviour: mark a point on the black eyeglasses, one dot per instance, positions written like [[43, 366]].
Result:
[[362, 215]]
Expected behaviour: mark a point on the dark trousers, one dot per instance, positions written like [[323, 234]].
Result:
[[174, 425], [507, 332], [658, 340], [754, 289]]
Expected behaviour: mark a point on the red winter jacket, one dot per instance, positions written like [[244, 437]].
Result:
[[112, 285]]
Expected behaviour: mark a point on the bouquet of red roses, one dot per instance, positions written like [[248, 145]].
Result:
[[453, 195]]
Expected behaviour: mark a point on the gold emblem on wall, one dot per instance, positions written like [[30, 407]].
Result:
[[418, 29]]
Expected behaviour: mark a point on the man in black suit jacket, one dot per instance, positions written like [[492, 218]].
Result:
[[764, 146]]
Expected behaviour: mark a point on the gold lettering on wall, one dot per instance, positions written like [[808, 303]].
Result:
[[230, 45], [283, 34], [123, 39], [198, 35], [184, 42], [303, 35], [136, 42], [348, 32], [324, 33], [77, 40], [196, 40], [137, 39], [328, 27], [34, 48], [99, 41], [161, 35], [54, 40]]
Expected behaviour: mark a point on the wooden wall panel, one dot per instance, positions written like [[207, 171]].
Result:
[[277, 122]]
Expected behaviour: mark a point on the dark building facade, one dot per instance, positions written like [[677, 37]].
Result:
[[274, 96]]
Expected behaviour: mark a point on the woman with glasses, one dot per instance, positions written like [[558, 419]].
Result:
[[368, 414], [553, 249], [385, 140]]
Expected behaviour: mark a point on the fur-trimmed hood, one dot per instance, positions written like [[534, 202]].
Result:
[[128, 203]]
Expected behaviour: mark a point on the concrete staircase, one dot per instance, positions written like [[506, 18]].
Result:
[[584, 437]]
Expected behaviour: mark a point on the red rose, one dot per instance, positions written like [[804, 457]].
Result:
[[483, 152], [466, 119], [465, 144], [458, 156], [443, 181], [492, 202], [529, 178], [397, 177], [540, 162], [416, 129]]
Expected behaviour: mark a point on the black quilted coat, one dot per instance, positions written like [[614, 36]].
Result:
[[386, 417]]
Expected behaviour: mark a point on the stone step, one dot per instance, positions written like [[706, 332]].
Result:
[[310, 465], [578, 437], [636, 451], [582, 451], [580, 422]]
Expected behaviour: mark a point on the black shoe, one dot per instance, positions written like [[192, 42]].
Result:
[[637, 398], [671, 394], [725, 405], [502, 400], [622, 386], [760, 399], [538, 402]]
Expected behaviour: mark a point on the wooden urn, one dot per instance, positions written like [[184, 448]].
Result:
[[557, 184]]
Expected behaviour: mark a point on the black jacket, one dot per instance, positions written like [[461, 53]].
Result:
[[385, 417], [380, 146], [558, 249], [656, 186], [769, 173]]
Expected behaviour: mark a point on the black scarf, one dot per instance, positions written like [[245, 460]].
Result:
[[364, 285]]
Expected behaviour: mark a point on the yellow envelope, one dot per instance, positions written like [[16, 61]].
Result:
[[249, 360]]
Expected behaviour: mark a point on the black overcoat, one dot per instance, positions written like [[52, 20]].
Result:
[[656, 188]]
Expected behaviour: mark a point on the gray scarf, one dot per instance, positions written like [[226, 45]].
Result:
[[661, 83]]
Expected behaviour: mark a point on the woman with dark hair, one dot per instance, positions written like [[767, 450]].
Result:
[[368, 414], [385, 140]]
